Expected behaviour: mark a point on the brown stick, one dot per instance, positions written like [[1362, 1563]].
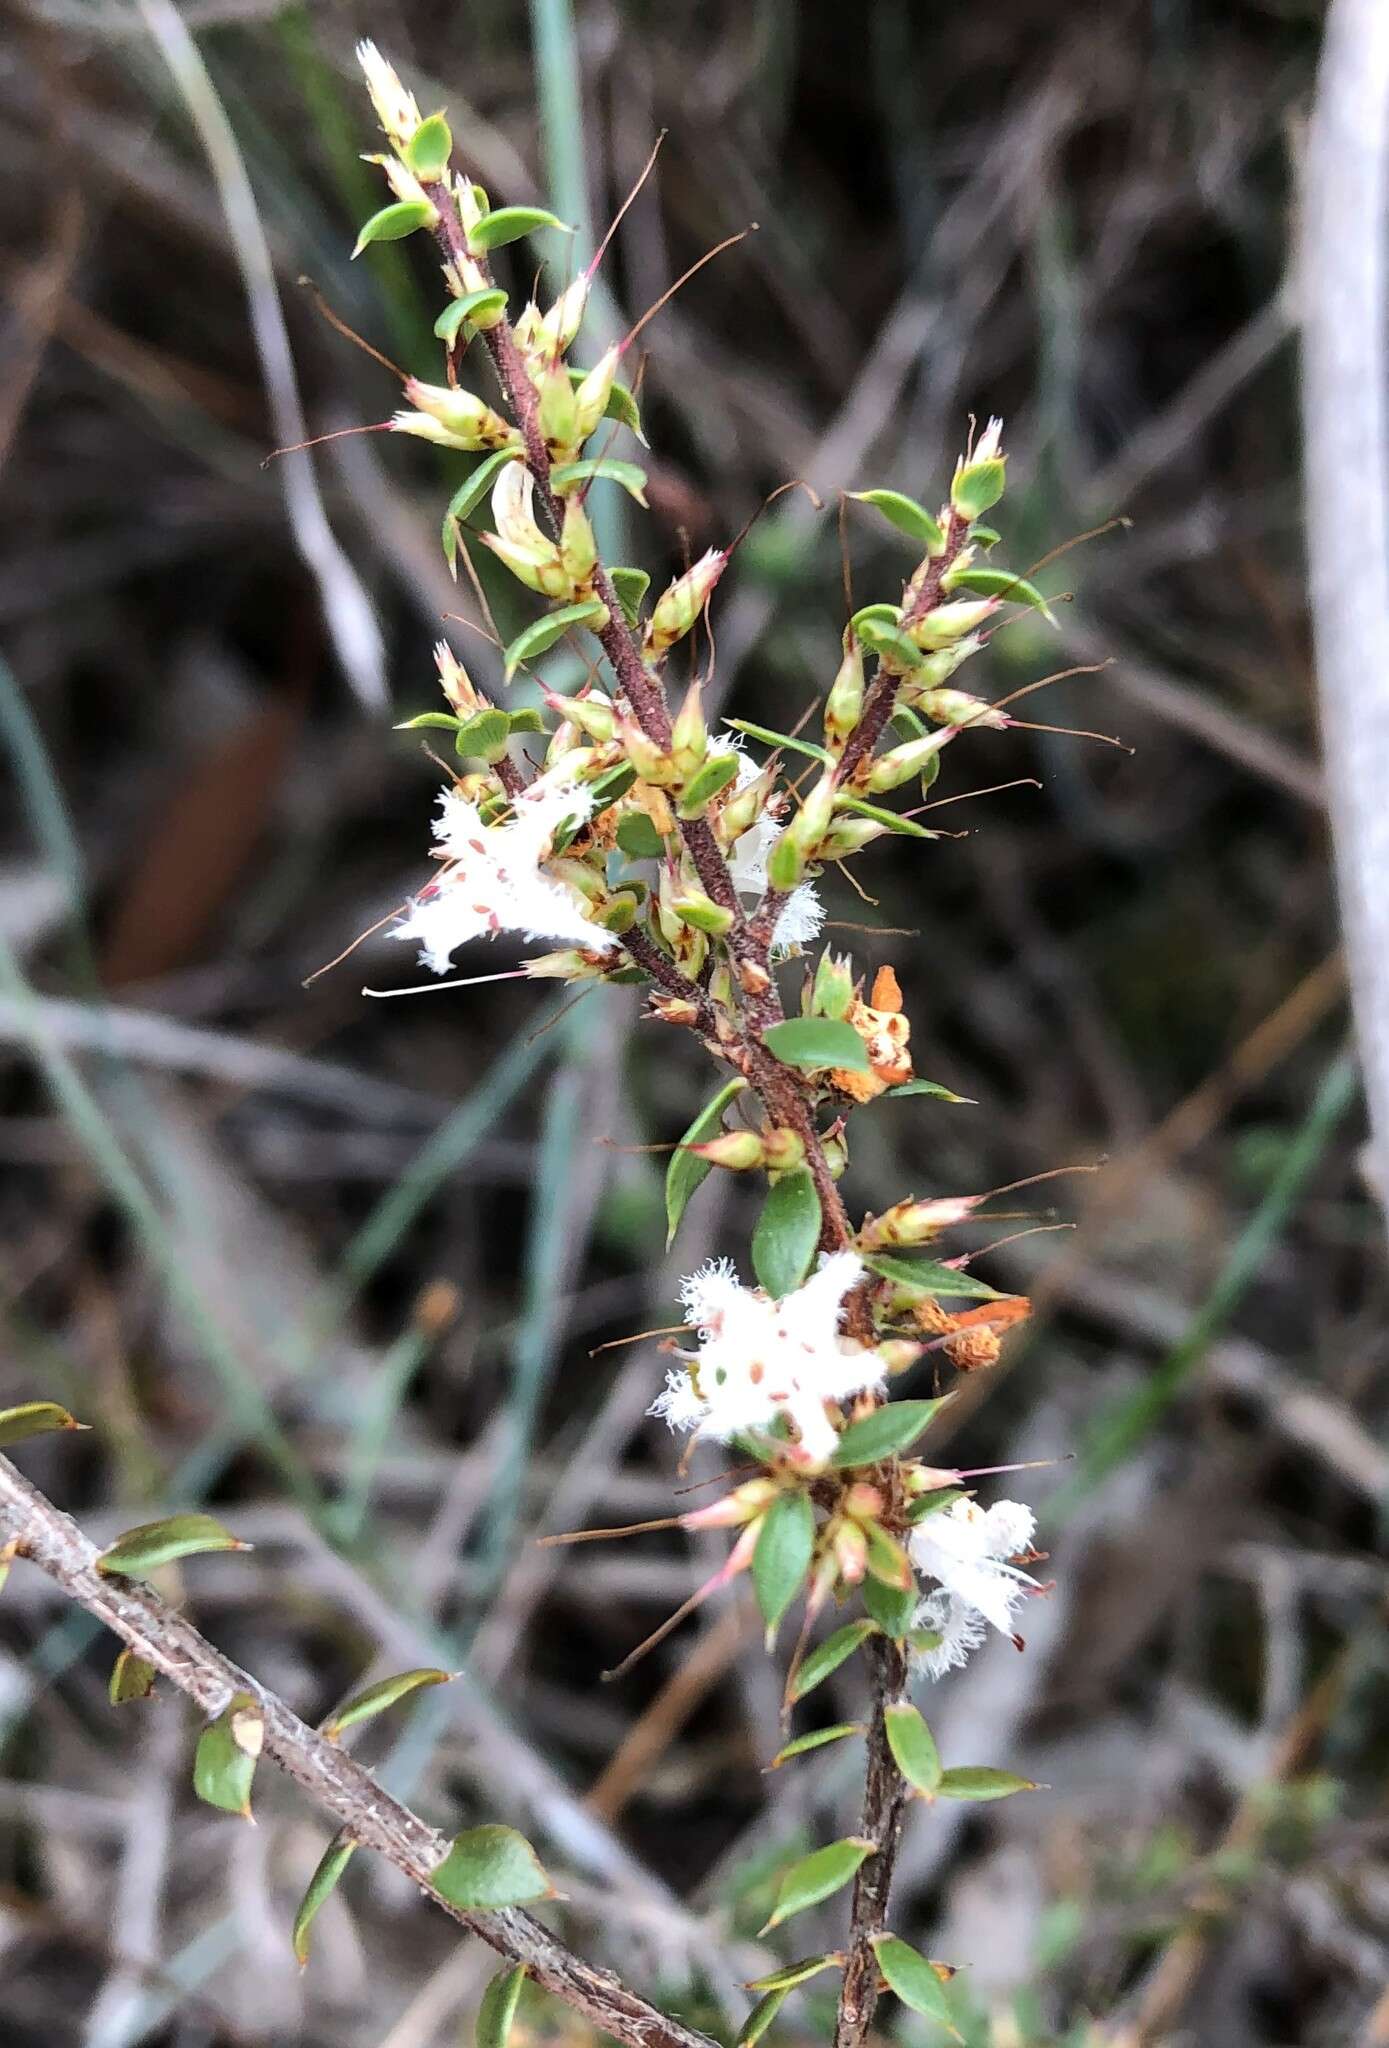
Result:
[[884, 1806], [167, 1640]]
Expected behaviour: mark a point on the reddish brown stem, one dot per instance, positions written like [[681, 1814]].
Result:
[[884, 1806]]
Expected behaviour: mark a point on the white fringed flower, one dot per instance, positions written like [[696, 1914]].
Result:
[[803, 913], [493, 880], [968, 1549], [758, 1359]]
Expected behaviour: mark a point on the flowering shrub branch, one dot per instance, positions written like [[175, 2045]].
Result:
[[647, 848]]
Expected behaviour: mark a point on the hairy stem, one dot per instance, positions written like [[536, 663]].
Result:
[[884, 1806], [169, 1642]]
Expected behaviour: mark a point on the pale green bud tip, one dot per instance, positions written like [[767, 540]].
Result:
[[678, 608], [395, 107], [834, 985]]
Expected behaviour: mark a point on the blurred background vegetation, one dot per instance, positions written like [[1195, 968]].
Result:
[[340, 1269]]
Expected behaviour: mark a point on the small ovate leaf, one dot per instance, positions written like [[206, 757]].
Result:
[[132, 1678], [792, 1974], [490, 1867], [782, 1554], [224, 1763], [687, 1171], [977, 1781], [622, 407], [914, 1747], [906, 515], [541, 635], [826, 1657], [638, 837], [881, 614], [887, 1561], [423, 720], [773, 738], [984, 536], [527, 721], [141, 1551], [818, 1876], [812, 1043], [34, 1418], [892, 1607], [978, 486], [935, 1088], [484, 735], [428, 151], [629, 588], [882, 639], [893, 820], [498, 2008], [606, 788], [931, 1277], [508, 223], [375, 1699], [459, 312], [1002, 583], [788, 1229], [887, 1432], [567, 475], [817, 1739], [934, 1503], [761, 2017], [393, 223], [321, 1885], [916, 1982], [469, 495], [712, 776]]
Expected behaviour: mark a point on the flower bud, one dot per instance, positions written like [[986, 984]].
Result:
[[938, 668], [913, 1222], [470, 423], [979, 481], [678, 607], [701, 911], [591, 711], [543, 573], [833, 990], [673, 1010], [489, 431], [848, 835], [957, 707], [689, 739], [946, 623], [652, 762], [565, 317], [592, 395], [836, 1150], [864, 1501], [570, 965], [712, 776], [849, 1548], [578, 550], [898, 1353], [735, 1508], [745, 806], [899, 764], [739, 1151], [396, 108], [783, 1149], [455, 682], [556, 412], [845, 700]]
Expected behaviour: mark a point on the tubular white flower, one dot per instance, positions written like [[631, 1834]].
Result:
[[803, 914], [493, 880], [758, 1358], [967, 1550]]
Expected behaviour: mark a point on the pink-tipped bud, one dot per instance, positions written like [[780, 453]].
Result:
[[849, 1548], [739, 1151], [957, 707], [592, 394], [455, 682], [916, 1222], [678, 607], [929, 1478], [844, 703], [465, 420], [651, 761], [784, 1149], [591, 711], [864, 1502], [947, 623], [689, 739], [735, 1508]]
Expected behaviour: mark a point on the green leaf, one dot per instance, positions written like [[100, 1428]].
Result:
[[629, 588], [484, 735], [712, 775], [818, 1876], [887, 1561], [914, 1980], [931, 1278], [469, 495], [760, 2018], [887, 1432], [788, 1230], [540, 636], [375, 1699], [913, 1746], [638, 837], [444, 720], [815, 1042], [781, 739], [428, 151], [498, 2008], [141, 1551], [934, 1503], [892, 1607], [906, 515], [881, 614], [977, 1781], [686, 1170], [979, 485], [34, 1418], [882, 639], [224, 1762], [460, 312], [803, 1744], [934, 1088], [393, 223], [131, 1679], [622, 407], [508, 223], [332, 1863], [985, 536], [628, 474], [527, 721], [613, 783], [826, 1657], [894, 821], [781, 1556], [1002, 583], [489, 1867], [792, 1974]]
